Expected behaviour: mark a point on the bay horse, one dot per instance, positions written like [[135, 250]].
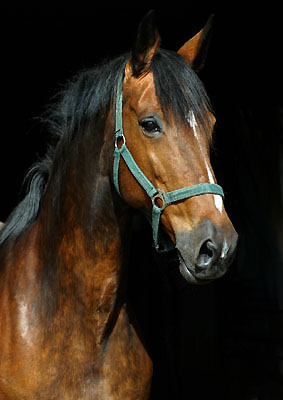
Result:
[[66, 329]]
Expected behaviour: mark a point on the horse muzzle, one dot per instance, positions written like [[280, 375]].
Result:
[[206, 252]]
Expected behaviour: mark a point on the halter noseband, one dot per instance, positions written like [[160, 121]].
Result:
[[165, 198]]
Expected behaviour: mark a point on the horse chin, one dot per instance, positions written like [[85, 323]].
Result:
[[187, 270]]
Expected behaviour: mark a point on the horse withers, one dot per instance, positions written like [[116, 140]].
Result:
[[66, 331]]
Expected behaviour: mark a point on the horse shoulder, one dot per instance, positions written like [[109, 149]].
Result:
[[19, 283]]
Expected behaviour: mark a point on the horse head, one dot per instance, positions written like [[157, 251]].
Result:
[[168, 125]]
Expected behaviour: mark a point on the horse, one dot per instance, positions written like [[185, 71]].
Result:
[[133, 133]]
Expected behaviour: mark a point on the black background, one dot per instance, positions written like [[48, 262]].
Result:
[[225, 339]]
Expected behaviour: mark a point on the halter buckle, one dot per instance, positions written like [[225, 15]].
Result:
[[159, 196], [118, 138]]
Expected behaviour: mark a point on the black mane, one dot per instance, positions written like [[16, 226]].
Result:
[[91, 93]]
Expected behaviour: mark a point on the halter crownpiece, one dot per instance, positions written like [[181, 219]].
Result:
[[156, 195]]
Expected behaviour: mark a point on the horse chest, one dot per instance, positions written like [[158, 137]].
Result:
[[119, 369]]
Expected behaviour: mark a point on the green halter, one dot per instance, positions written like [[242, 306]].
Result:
[[165, 198]]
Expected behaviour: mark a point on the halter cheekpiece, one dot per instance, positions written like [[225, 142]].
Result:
[[160, 200]]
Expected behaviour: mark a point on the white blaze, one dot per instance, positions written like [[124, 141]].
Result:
[[218, 201]]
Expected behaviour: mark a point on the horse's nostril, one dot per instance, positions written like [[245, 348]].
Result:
[[206, 254]]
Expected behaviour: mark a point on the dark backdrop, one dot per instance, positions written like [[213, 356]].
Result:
[[225, 339]]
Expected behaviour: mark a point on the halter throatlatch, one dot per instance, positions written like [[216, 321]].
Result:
[[157, 196]]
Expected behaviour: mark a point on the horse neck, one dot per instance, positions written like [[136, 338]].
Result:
[[82, 232]]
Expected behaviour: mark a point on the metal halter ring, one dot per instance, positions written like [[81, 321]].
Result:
[[121, 136], [159, 195]]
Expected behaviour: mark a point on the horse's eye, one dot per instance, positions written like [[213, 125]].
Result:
[[150, 126]]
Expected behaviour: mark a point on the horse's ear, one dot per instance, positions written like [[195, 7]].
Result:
[[145, 46], [195, 50]]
